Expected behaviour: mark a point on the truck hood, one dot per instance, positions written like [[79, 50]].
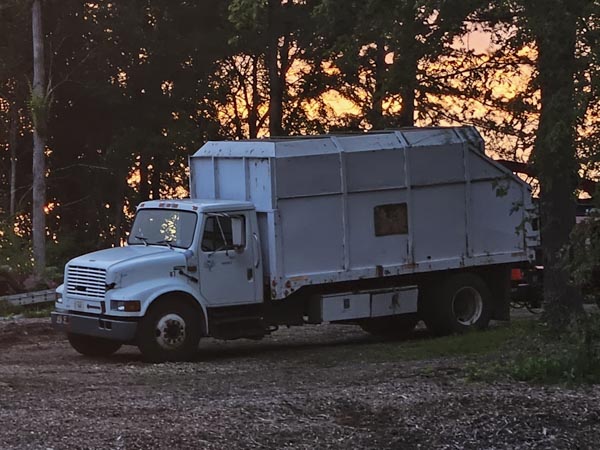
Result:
[[106, 259]]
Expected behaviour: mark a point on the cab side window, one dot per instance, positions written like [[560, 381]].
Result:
[[218, 233]]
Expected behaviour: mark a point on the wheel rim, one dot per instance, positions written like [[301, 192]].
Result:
[[467, 306], [170, 331]]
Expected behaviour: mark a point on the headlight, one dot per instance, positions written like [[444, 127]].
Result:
[[125, 305], [59, 298]]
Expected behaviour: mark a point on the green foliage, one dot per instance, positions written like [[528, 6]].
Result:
[[59, 253], [533, 353], [573, 357], [8, 309], [15, 251], [248, 15], [16, 258], [581, 258]]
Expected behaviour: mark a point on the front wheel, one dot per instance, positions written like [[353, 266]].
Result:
[[170, 331], [463, 302], [93, 346]]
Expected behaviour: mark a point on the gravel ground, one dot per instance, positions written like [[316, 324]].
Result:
[[308, 387]]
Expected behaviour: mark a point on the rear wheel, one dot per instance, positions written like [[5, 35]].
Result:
[[390, 327], [93, 346], [463, 302], [170, 331]]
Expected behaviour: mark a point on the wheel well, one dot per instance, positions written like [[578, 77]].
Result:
[[183, 297], [496, 278]]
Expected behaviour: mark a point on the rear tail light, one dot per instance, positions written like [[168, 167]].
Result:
[[517, 275]]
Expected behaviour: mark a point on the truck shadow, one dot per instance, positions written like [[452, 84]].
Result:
[[282, 348], [296, 350]]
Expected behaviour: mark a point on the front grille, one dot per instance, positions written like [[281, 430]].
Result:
[[86, 281]]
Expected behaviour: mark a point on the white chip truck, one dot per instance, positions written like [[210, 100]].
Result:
[[380, 229]]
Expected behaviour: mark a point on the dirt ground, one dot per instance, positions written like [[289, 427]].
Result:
[[309, 387]]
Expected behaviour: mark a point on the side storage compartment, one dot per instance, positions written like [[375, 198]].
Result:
[[398, 301], [393, 313], [345, 307], [387, 313], [363, 305]]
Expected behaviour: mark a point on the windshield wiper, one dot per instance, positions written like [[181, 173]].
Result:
[[164, 241], [143, 239]]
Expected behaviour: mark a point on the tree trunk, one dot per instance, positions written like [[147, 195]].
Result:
[[119, 204], [555, 156], [144, 179], [376, 113], [155, 181], [408, 61], [39, 140], [253, 113], [275, 85], [406, 117], [12, 144]]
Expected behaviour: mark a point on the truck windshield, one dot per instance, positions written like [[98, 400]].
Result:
[[172, 228]]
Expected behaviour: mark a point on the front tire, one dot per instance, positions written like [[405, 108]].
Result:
[[462, 303], [170, 331], [93, 346]]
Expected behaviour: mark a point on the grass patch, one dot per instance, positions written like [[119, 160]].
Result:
[[30, 311], [38, 311], [474, 344], [487, 343], [524, 350], [8, 309], [536, 355], [571, 357]]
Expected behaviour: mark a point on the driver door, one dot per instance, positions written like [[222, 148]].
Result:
[[229, 275]]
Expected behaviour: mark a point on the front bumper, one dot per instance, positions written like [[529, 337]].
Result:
[[118, 330]]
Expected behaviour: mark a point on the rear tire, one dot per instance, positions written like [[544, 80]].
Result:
[[463, 302], [93, 346], [391, 327], [170, 331]]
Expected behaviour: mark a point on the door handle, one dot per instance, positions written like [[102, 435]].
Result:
[[256, 250]]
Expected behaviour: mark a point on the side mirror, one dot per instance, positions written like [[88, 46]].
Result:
[[238, 232]]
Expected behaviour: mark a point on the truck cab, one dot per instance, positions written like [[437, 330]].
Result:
[[182, 258]]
